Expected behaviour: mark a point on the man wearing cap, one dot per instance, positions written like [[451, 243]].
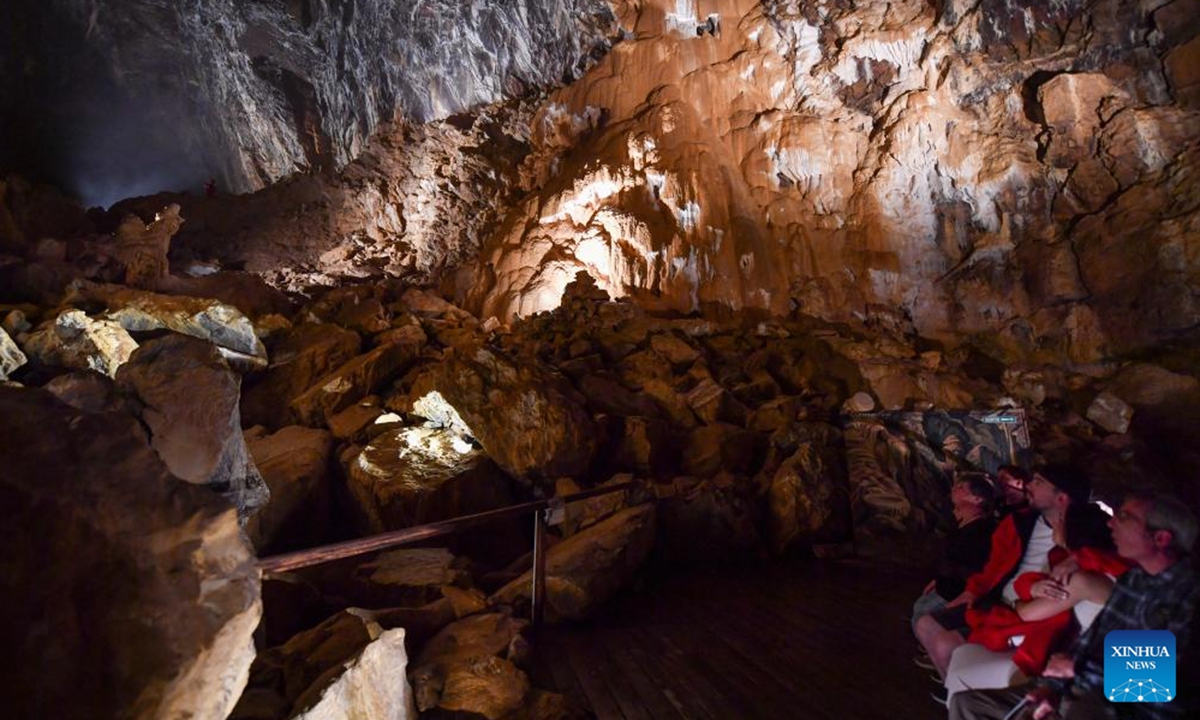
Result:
[[1157, 533], [1020, 544]]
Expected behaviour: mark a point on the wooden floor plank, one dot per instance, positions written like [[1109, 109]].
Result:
[[817, 640]]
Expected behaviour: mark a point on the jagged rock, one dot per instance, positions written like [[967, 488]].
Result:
[[146, 596], [707, 520], [347, 667], [1145, 385], [527, 420], [417, 475], [467, 667], [371, 685], [11, 356], [247, 292], [88, 391], [642, 446], [74, 340], [16, 320], [808, 499], [351, 382], [350, 423], [190, 399], [673, 349], [582, 514], [299, 357], [410, 577], [294, 464], [775, 414], [223, 325], [141, 248], [589, 567], [1110, 412], [722, 447]]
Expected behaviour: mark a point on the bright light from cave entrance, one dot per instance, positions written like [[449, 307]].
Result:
[[440, 414]]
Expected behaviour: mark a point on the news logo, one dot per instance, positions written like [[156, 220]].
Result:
[[1139, 666]]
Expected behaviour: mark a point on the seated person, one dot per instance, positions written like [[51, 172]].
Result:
[[1156, 534], [1048, 613], [966, 548], [1020, 544]]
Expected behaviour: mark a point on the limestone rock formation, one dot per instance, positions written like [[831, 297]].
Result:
[[11, 356], [299, 357], [412, 577], [468, 667], [346, 667], [416, 475], [587, 568], [139, 311], [351, 382], [294, 464], [527, 419], [190, 406], [141, 249], [130, 594], [808, 498], [249, 93], [74, 340]]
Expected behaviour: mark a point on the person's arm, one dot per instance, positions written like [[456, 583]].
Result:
[[1006, 549], [1050, 598]]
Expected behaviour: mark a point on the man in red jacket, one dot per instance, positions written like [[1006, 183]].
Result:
[[1021, 543]]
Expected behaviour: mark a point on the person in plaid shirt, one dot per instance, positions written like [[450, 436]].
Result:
[[1161, 592]]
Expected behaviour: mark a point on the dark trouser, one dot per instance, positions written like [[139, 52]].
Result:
[[995, 704]]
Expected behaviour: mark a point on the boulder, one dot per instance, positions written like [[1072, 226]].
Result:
[[131, 594], [223, 325], [371, 685], [11, 356], [582, 514], [1143, 385], [530, 421], [1110, 412], [294, 463], [586, 569], [190, 406], [141, 249], [347, 667], [416, 475], [808, 499], [299, 357], [352, 381], [88, 391], [467, 667], [410, 577], [74, 340]]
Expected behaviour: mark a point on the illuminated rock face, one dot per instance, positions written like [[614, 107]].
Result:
[[151, 94], [999, 168]]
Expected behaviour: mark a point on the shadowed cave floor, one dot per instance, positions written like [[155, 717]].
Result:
[[803, 639]]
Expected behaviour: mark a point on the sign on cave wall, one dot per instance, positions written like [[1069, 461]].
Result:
[[901, 464]]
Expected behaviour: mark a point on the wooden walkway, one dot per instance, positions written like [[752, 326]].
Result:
[[816, 640]]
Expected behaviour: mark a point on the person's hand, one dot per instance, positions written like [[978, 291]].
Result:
[[1050, 589], [1044, 702], [966, 598], [1060, 666], [930, 587], [1063, 571]]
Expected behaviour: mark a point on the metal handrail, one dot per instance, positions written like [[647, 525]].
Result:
[[360, 546]]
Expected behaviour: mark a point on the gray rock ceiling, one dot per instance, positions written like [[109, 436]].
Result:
[[113, 99]]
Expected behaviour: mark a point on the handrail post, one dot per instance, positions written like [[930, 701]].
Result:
[[539, 566]]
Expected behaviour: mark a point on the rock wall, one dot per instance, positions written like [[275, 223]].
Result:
[[1013, 170], [117, 99]]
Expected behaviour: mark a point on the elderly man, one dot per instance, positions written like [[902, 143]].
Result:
[[1156, 533]]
